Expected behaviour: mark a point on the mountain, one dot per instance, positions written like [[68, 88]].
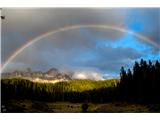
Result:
[[51, 74]]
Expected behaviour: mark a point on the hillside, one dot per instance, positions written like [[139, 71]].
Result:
[[73, 90]]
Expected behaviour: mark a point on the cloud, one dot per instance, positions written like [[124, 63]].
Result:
[[24, 24], [145, 21], [89, 52], [88, 75], [77, 52]]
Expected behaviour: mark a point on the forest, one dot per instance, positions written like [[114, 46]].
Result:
[[141, 84]]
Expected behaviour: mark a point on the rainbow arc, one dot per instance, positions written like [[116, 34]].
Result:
[[33, 41]]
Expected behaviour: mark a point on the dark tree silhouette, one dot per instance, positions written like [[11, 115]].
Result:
[[143, 85]]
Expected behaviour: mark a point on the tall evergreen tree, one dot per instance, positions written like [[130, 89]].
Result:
[[143, 85]]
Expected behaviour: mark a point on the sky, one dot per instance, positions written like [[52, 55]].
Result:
[[89, 52]]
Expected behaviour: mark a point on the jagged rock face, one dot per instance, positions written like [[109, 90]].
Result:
[[51, 74]]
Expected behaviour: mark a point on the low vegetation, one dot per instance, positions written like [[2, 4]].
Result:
[[63, 107]]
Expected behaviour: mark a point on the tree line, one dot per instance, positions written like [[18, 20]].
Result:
[[142, 83], [72, 91]]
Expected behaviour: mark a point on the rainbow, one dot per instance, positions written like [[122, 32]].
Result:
[[18, 51]]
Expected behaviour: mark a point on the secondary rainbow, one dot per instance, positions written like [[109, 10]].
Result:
[[139, 36]]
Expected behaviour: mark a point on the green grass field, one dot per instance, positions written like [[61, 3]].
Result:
[[67, 107]]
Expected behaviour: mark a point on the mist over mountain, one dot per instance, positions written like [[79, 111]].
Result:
[[55, 74], [51, 74]]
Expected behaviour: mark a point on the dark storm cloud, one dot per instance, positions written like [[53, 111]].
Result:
[[78, 52], [21, 25], [78, 48], [111, 59]]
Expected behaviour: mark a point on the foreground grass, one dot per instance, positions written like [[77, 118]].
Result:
[[67, 107]]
